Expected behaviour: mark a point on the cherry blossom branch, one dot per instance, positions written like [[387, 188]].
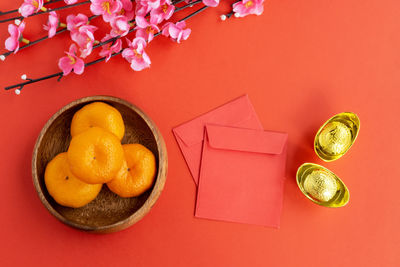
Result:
[[190, 4], [230, 14], [155, 35], [11, 11], [177, 2], [19, 86], [3, 56], [227, 15], [47, 11], [16, 10], [133, 29]]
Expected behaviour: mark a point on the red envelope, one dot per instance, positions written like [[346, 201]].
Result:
[[237, 113], [242, 175]]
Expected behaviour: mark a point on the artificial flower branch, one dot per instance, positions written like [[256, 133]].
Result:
[[190, 4], [28, 81], [28, 43], [31, 43], [47, 11], [10, 11], [16, 10], [3, 56], [158, 33]]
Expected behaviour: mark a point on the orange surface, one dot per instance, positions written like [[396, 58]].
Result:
[[137, 173], [300, 62], [67, 189]]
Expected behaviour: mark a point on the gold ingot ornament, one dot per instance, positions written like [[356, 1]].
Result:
[[322, 186], [336, 136]]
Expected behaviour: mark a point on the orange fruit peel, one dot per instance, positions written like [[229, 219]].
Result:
[[95, 156], [137, 173], [98, 114], [65, 188]]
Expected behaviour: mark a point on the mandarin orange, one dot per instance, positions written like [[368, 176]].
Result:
[[65, 187], [95, 156], [137, 173], [98, 114]]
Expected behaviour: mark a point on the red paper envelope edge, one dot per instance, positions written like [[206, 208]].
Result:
[[189, 136], [242, 176]]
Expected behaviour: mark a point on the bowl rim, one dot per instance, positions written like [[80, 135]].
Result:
[[159, 182]]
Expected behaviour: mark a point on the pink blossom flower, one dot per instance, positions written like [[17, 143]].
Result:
[[176, 31], [71, 62], [163, 12], [145, 29], [12, 42], [84, 38], [120, 26], [107, 8], [136, 55], [247, 7], [29, 7], [74, 22], [141, 10], [145, 6], [52, 24], [70, 2], [212, 3], [108, 49], [127, 9], [151, 3]]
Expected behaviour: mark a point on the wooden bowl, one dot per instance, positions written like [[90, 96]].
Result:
[[108, 212]]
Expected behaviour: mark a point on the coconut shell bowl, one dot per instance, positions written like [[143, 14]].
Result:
[[108, 212]]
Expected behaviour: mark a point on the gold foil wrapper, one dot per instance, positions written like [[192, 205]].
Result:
[[336, 136], [322, 186]]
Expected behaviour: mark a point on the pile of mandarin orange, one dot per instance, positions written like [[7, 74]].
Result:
[[95, 156]]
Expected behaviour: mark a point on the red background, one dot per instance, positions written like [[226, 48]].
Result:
[[300, 62]]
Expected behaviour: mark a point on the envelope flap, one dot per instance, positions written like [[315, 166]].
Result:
[[231, 113], [246, 139]]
